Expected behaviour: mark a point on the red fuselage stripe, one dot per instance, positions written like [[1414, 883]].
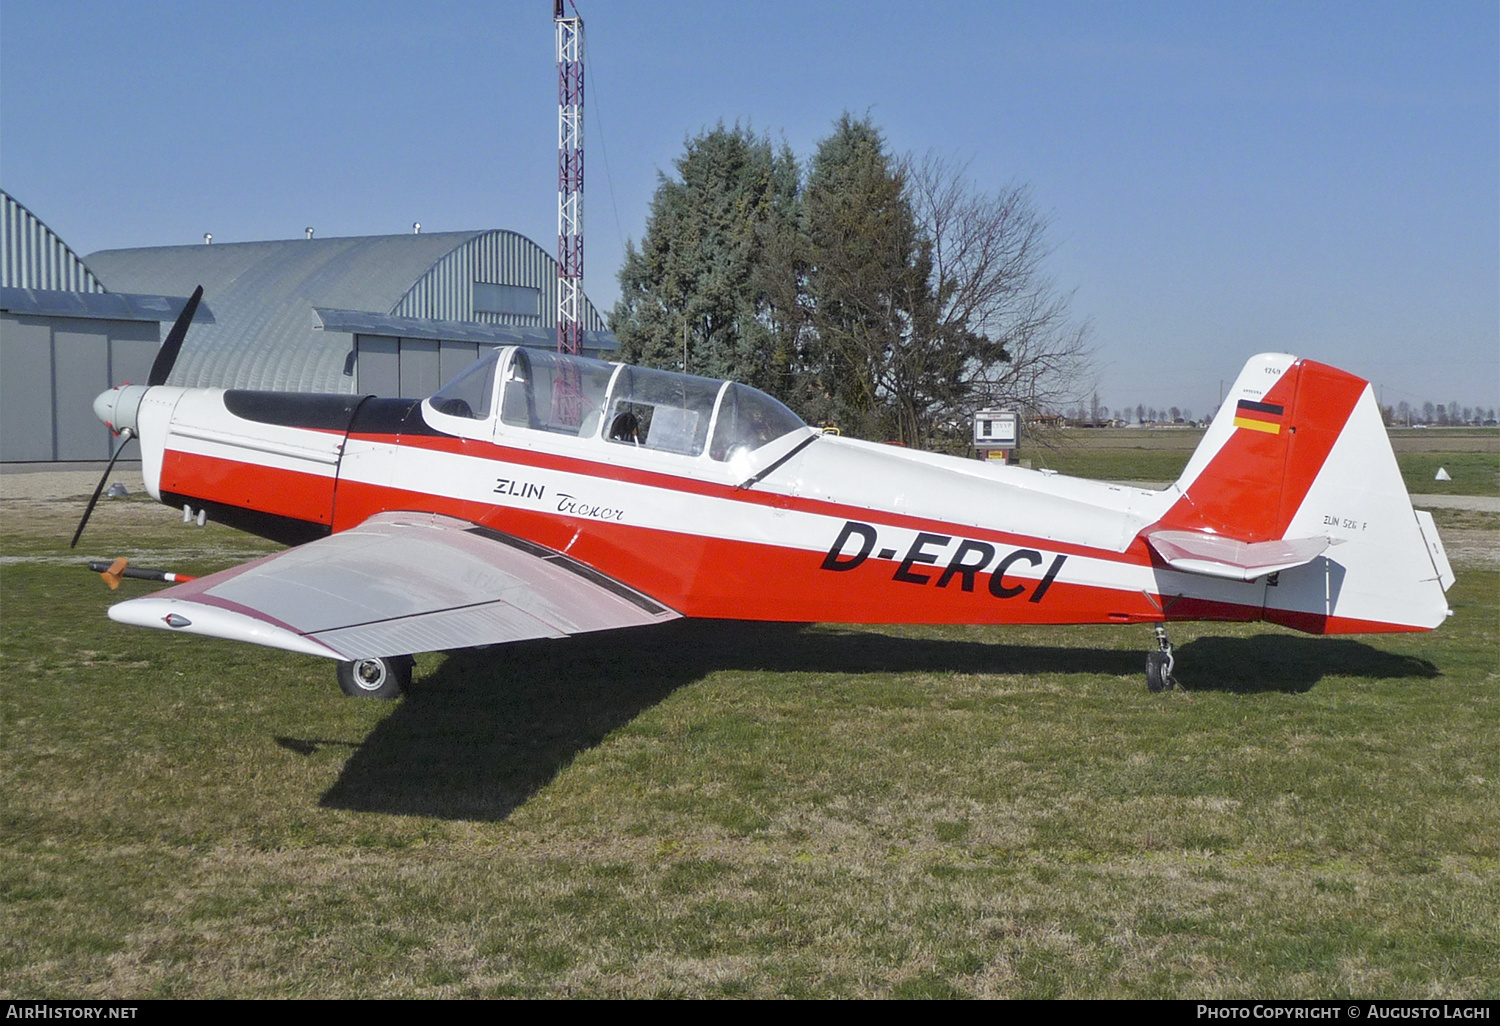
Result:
[[282, 493]]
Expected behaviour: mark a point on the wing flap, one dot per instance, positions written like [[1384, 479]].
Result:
[[1217, 556], [399, 583]]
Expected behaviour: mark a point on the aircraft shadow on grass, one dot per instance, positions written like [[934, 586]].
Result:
[[491, 727]]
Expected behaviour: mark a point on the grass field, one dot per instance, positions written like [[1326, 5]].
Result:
[[731, 809], [1470, 455]]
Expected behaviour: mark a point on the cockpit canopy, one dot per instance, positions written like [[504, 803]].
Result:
[[653, 409]]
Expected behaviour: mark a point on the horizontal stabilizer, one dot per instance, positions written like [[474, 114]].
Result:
[[1218, 556]]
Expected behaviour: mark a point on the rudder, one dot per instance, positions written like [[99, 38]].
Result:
[[1264, 448], [1298, 453]]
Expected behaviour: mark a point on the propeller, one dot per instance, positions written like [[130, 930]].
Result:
[[166, 356], [125, 436]]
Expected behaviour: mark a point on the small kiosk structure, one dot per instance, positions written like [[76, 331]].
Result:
[[996, 434]]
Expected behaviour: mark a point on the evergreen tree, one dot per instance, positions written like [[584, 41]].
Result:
[[872, 309], [884, 296], [690, 296]]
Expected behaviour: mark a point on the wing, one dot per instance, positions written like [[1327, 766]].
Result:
[[399, 583]]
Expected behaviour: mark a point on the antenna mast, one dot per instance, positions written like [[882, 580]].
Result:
[[569, 177]]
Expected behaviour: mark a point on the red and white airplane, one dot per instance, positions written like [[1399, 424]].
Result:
[[543, 495]]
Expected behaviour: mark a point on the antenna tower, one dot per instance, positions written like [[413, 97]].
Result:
[[569, 177]]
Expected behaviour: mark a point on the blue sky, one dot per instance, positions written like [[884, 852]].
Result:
[[1222, 179]]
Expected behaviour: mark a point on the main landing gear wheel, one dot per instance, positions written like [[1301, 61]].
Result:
[[1159, 664], [377, 677]]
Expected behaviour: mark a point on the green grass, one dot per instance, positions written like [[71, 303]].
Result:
[[1123, 454], [1472, 473], [1471, 456], [723, 809]]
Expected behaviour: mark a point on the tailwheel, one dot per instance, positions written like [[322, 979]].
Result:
[[1159, 664], [385, 677]]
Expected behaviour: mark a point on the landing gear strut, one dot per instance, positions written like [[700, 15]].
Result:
[[1159, 664], [376, 677]]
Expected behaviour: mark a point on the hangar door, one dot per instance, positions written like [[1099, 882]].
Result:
[[51, 368], [408, 368]]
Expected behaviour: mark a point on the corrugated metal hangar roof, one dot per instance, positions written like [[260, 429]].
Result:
[[267, 298], [33, 257]]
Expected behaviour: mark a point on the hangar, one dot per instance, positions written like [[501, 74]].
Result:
[[390, 315], [63, 340]]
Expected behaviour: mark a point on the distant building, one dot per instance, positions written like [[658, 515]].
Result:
[[391, 315], [63, 340]]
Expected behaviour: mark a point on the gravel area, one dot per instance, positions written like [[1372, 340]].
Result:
[[36, 483], [1478, 503]]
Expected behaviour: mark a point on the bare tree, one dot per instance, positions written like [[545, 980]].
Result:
[[988, 253]]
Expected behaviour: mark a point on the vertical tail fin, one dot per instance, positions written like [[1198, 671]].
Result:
[[1265, 448], [1297, 452]]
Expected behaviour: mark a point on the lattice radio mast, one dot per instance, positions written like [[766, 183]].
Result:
[[569, 177]]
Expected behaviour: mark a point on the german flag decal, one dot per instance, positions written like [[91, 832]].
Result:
[[1258, 416]]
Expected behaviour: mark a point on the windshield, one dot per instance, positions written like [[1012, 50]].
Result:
[[468, 395]]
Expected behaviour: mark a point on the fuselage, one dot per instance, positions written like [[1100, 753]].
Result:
[[792, 525]]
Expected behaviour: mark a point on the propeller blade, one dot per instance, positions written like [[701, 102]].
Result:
[[167, 355], [125, 436]]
